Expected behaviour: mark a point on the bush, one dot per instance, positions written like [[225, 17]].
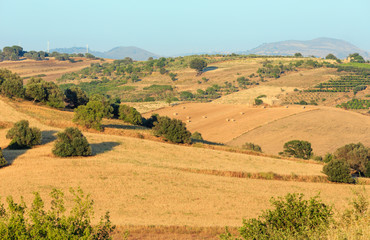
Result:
[[258, 101], [3, 162], [23, 136], [292, 218], [75, 97], [198, 64], [298, 149], [172, 129], [11, 85], [338, 171], [130, 115], [46, 92], [17, 222], [90, 115], [70, 143], [356, 155], [252, 146], [196, 136], [149, 122], [328, 157]]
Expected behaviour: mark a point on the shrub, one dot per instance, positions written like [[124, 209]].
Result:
[[130, 115], [252, 146], [292, 218], [198, 64], [172, 129], [11, 85], [46, 92], [197, 136], [328, 157], [75, 97], [298, 149], [70, 143], [23, 136], [338, 171], [3, 162], [149, 122], [90, 115], [258, 101], [356, 155], [17, 222]]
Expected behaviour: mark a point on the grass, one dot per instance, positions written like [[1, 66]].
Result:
[[358, 65]]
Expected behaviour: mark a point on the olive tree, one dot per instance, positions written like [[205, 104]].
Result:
[[198, 64], [23, 136]]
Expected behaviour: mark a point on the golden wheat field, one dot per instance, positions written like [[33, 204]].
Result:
[[143, 182]]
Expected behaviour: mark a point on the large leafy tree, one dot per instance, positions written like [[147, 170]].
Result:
[[298, 149], [23, 136], [357, 156], [11, 84], [71, 142], [47, 92], [75, 97], [198, 64], [90, 115], [173, 130], [130, 115]]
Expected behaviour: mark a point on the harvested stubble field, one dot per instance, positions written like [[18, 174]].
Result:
[[143, 182], [52, 69]]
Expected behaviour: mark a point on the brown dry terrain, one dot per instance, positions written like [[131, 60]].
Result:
[[143, 182], [52, 68]]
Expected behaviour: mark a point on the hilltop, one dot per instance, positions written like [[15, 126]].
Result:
[[319, 47]]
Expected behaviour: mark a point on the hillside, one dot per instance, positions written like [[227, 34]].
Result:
[[135, 53], [319, 47], [144, 182]]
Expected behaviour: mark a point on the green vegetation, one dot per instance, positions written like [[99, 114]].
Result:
[[343, 84], [11, 85], [298, 149], [274, 71], [75, 97], [292, 218], [331, 56], [90, 115], [3, 162], [23, 136], [196, 136], [252, 146], [71, 143], [338, 171], [130, 115], [355, 104], [357, 156], [356, 58], [49, 93], [18, 222], [198, 64], [173, 130]]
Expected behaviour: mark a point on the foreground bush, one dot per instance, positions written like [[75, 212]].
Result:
[[292, 218], [338, 171], [23, 136], [17, 222], [173, 130], [90, 115], [70, 143], [298, 149], [3, 162], [252, 146]]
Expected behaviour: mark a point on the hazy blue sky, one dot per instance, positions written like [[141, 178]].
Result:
[[176, 26]]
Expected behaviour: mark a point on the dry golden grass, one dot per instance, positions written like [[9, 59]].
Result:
[[139, 182], [52, 68], [326, 128]]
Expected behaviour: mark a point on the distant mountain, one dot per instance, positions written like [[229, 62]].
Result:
[[319, 47], [116, 53]]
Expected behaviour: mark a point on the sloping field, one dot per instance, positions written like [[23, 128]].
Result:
[[224, 122], [326, 128], [141, 182], [52, 68]]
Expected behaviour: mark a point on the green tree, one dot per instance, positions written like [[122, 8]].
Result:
[[331, 56], [356, 155], [252, 146], [71, 142], [196, 136], [173, 130], [75, 96], [291, 218], [198, 64], [355, 57], [47, 92], [11, 85], [130, 115], [23, 136], [298, 149], [90, 115], [338, 171], [298, 55], [3, 162]]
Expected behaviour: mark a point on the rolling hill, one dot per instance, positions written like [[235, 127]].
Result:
[[319, 47]]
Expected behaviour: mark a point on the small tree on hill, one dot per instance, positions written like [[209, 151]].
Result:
[[338, 171], [75, 97], [298, 149], [3, 162], [198, 64], [23, 136], [355, 57], [70, 143], [356, 155], [252, 146], [47, 92], [298, 55], [173, 130], [331, 56], [130, 115], [90, 115], [11, 84]]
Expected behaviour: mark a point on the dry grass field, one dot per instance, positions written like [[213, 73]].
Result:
[[143, 183], [52, 69]]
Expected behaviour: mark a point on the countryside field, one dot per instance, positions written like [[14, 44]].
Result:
[[161, 190]]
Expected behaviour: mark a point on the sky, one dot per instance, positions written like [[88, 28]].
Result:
[[170, 27]]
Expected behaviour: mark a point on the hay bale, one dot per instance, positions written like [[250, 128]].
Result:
[[204, 116], [241, 113], [175, 114], [187, 117], [233, 120], [183, 107], [227, 120], [188, 121]]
